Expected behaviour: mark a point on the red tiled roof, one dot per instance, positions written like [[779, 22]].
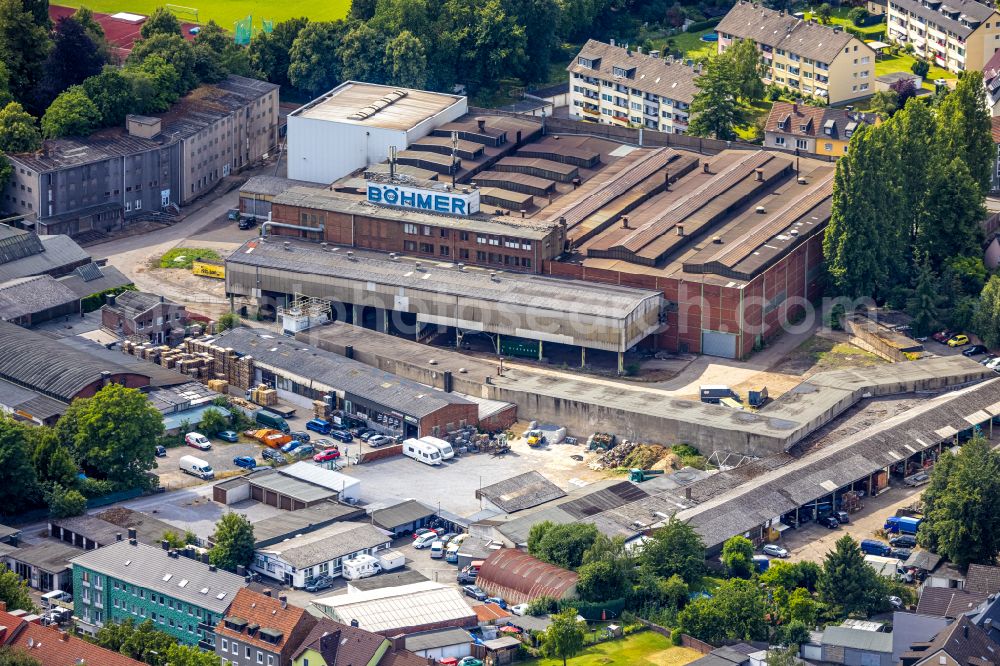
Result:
[[813, 117], [347, 646], [266, 612], [995, 127], [490, 613], [52, 647]]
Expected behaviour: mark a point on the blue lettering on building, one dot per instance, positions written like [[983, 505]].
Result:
[[424, 201], [441, 203], [457, 206], [395, 196]]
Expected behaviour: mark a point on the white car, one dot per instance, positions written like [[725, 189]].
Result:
[[519, 609], [774, 550], [198, 441], [896, 602], [425, 540], [379, 440]]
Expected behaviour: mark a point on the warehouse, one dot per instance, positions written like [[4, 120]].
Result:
[[409, 297], [403, 517], [356, 123], [519, 578], [400, 610], [300, 559], [302, 373]]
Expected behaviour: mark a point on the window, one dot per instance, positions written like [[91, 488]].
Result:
[[463, 235], [801, 144], [260, 657], [410, 228], [463, 253], [409, 246], [429, 249], [270, 660], [247, 652], [445, 251], [828, 147], [225, 645], [779, 141], [236, 648]]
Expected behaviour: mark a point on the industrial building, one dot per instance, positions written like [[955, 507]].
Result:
[[519, 578], [277, 488], [403, 517], [356, 123], [145, 316], [302, 558], [401, 610]]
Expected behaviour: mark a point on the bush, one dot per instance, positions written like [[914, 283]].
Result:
[[227, 321], [698, 26], [542, 606], [858, 16], [920, 68], [95, 301], [183, 257], [66, 503], [93, 488]]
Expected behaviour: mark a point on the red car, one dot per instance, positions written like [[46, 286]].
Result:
[[942, 336], [420, 531], [326, 455]]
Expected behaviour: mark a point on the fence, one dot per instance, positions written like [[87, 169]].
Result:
[[379, 454], [695, 644], [663, 631]]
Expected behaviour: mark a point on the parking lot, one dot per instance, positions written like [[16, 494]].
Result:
[[220, 457]]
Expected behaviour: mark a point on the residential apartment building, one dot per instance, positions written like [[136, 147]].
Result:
[[261, 629], [128, 580], [812, 130], [118, 175], [803, 56], [991, 81], [956, 35], [614, 85]]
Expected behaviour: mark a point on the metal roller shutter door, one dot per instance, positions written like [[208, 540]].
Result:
[[714, 343]]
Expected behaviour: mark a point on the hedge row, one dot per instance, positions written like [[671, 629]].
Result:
[[698, 26]]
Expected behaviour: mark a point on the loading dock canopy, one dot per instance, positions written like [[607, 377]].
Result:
[[573, 312]]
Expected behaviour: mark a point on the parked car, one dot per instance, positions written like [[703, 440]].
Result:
[[917, 479], [498, 601], [470, 661], [319, 583], [986, 360], [326, 455], [829, 522], [245, 222], [341, 435], [161, 451], [291, 446], [903, 541], [895, 602], [246, 462], [959, 340], [445, 538], [519, 609], [271, 454], [229, 436], [475, 592], [378, 440], [774, 550], [942, 336], [419, 532], [305, 450], [425, 540], [469, 576], [974, 350], [367, 435], [300, 436], [198, 441], [437, 549], [322, 426], [842, 516], [902, 554]]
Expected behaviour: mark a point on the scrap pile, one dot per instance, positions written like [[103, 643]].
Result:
[[320, 410], [630, 455]]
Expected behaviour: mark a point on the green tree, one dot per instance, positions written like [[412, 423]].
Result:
[[212, 423], [160, 22], [230, 57], [112, 94], [154, 84], [737, 556], [18, 484], [185, 655], [66, 502], [954, 211], [18, 130], [564, 545], [143, 641], [314, 60], [987, 317], [234, 542], [73, 58], [113, 435], [746, 69], [824, 13], [847, 581], [960, 520], [964, 128], [540, 19], [362, 54], [6, 170], [14, 591], [675, 548], [11, 656], [5, 96], [53, 462], [715, 110], [564, 637], [406, 61], [228, 321], [788, 656], [496, 45], [602, 581], [802, 607], [914, 130], [925, 303], [884, 103], [85, 17], [920, 67], [176, 51], [858, 16], [362, 10], [71, 114], [735, 612], [24, 45], [269, 52]]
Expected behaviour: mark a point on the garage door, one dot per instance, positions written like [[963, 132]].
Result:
[[714, 343]]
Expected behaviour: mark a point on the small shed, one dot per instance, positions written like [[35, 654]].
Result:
[[498, 651], [440, 643]]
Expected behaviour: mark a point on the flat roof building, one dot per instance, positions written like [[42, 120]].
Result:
[[356, 123], [404, 609], [520, 492], [302, 558]]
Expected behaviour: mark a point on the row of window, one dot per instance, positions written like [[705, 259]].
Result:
[[248, 653], [463, 254], [425, 230], [652, 97]]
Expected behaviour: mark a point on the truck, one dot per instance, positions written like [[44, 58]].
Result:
[[902, 524], [269, 419], [390, 559], [196, 467], [361, 566]]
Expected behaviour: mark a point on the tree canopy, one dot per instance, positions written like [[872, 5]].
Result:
[[848, 582], [70, 114], [737, 556], [234, 542], [564, 637], [561, 545], [675, 548]]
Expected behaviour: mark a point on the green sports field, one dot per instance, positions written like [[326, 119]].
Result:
[[227, 12]]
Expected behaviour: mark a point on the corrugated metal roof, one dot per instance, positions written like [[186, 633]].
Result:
[[30, 295], [401, 514], [516, 575], [153, 569], [437, 638], [60, 254], [93, 279], [521, 492], [328, 543], [385, 609], [320, 476]]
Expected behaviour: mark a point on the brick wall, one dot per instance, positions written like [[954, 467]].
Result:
[[449, 418]]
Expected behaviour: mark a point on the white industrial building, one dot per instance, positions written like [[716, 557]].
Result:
[[402, 609], [355, 124]]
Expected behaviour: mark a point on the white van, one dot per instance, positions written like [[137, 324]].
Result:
[[56, 598], [444, 447], [422, 451], [198, 441], [437, 550], [361, 566], [196, 467]]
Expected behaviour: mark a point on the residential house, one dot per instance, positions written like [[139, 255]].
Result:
[[961, 643], [334, 644], [982, 579], [115, 176], [991, 81], [803, 56], [261, 629], [143, 315], [957, 35], [615, 85], [948, 602], [995, 174], [297, 561], [51, 646], [812, 130], [128, 580]]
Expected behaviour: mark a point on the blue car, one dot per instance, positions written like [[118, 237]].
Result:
[[246, 462], [300, 436], [498, 601], [305, 450], [229, 436], [291, 446], [341, 435], [322, 426]]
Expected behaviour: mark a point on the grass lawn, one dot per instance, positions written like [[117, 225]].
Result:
[[227, 12], [183, 257], [690, 43], [643, 649], [839, 17], [889, 63]]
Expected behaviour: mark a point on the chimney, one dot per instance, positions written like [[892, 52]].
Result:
[[965, 631], [118, 536], [211, 567], [105, 377], [704, 168], [64, 637], [666, 180], [131, 533], [284, 600], [354, 623], [624, 221], [163, 299], [349, 351], [164, 544], [687, 492], [241, 570], [110, 299], [204, 558], [266, 591], [481, 124], [611, 42], [680, 229], [759, 173]]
